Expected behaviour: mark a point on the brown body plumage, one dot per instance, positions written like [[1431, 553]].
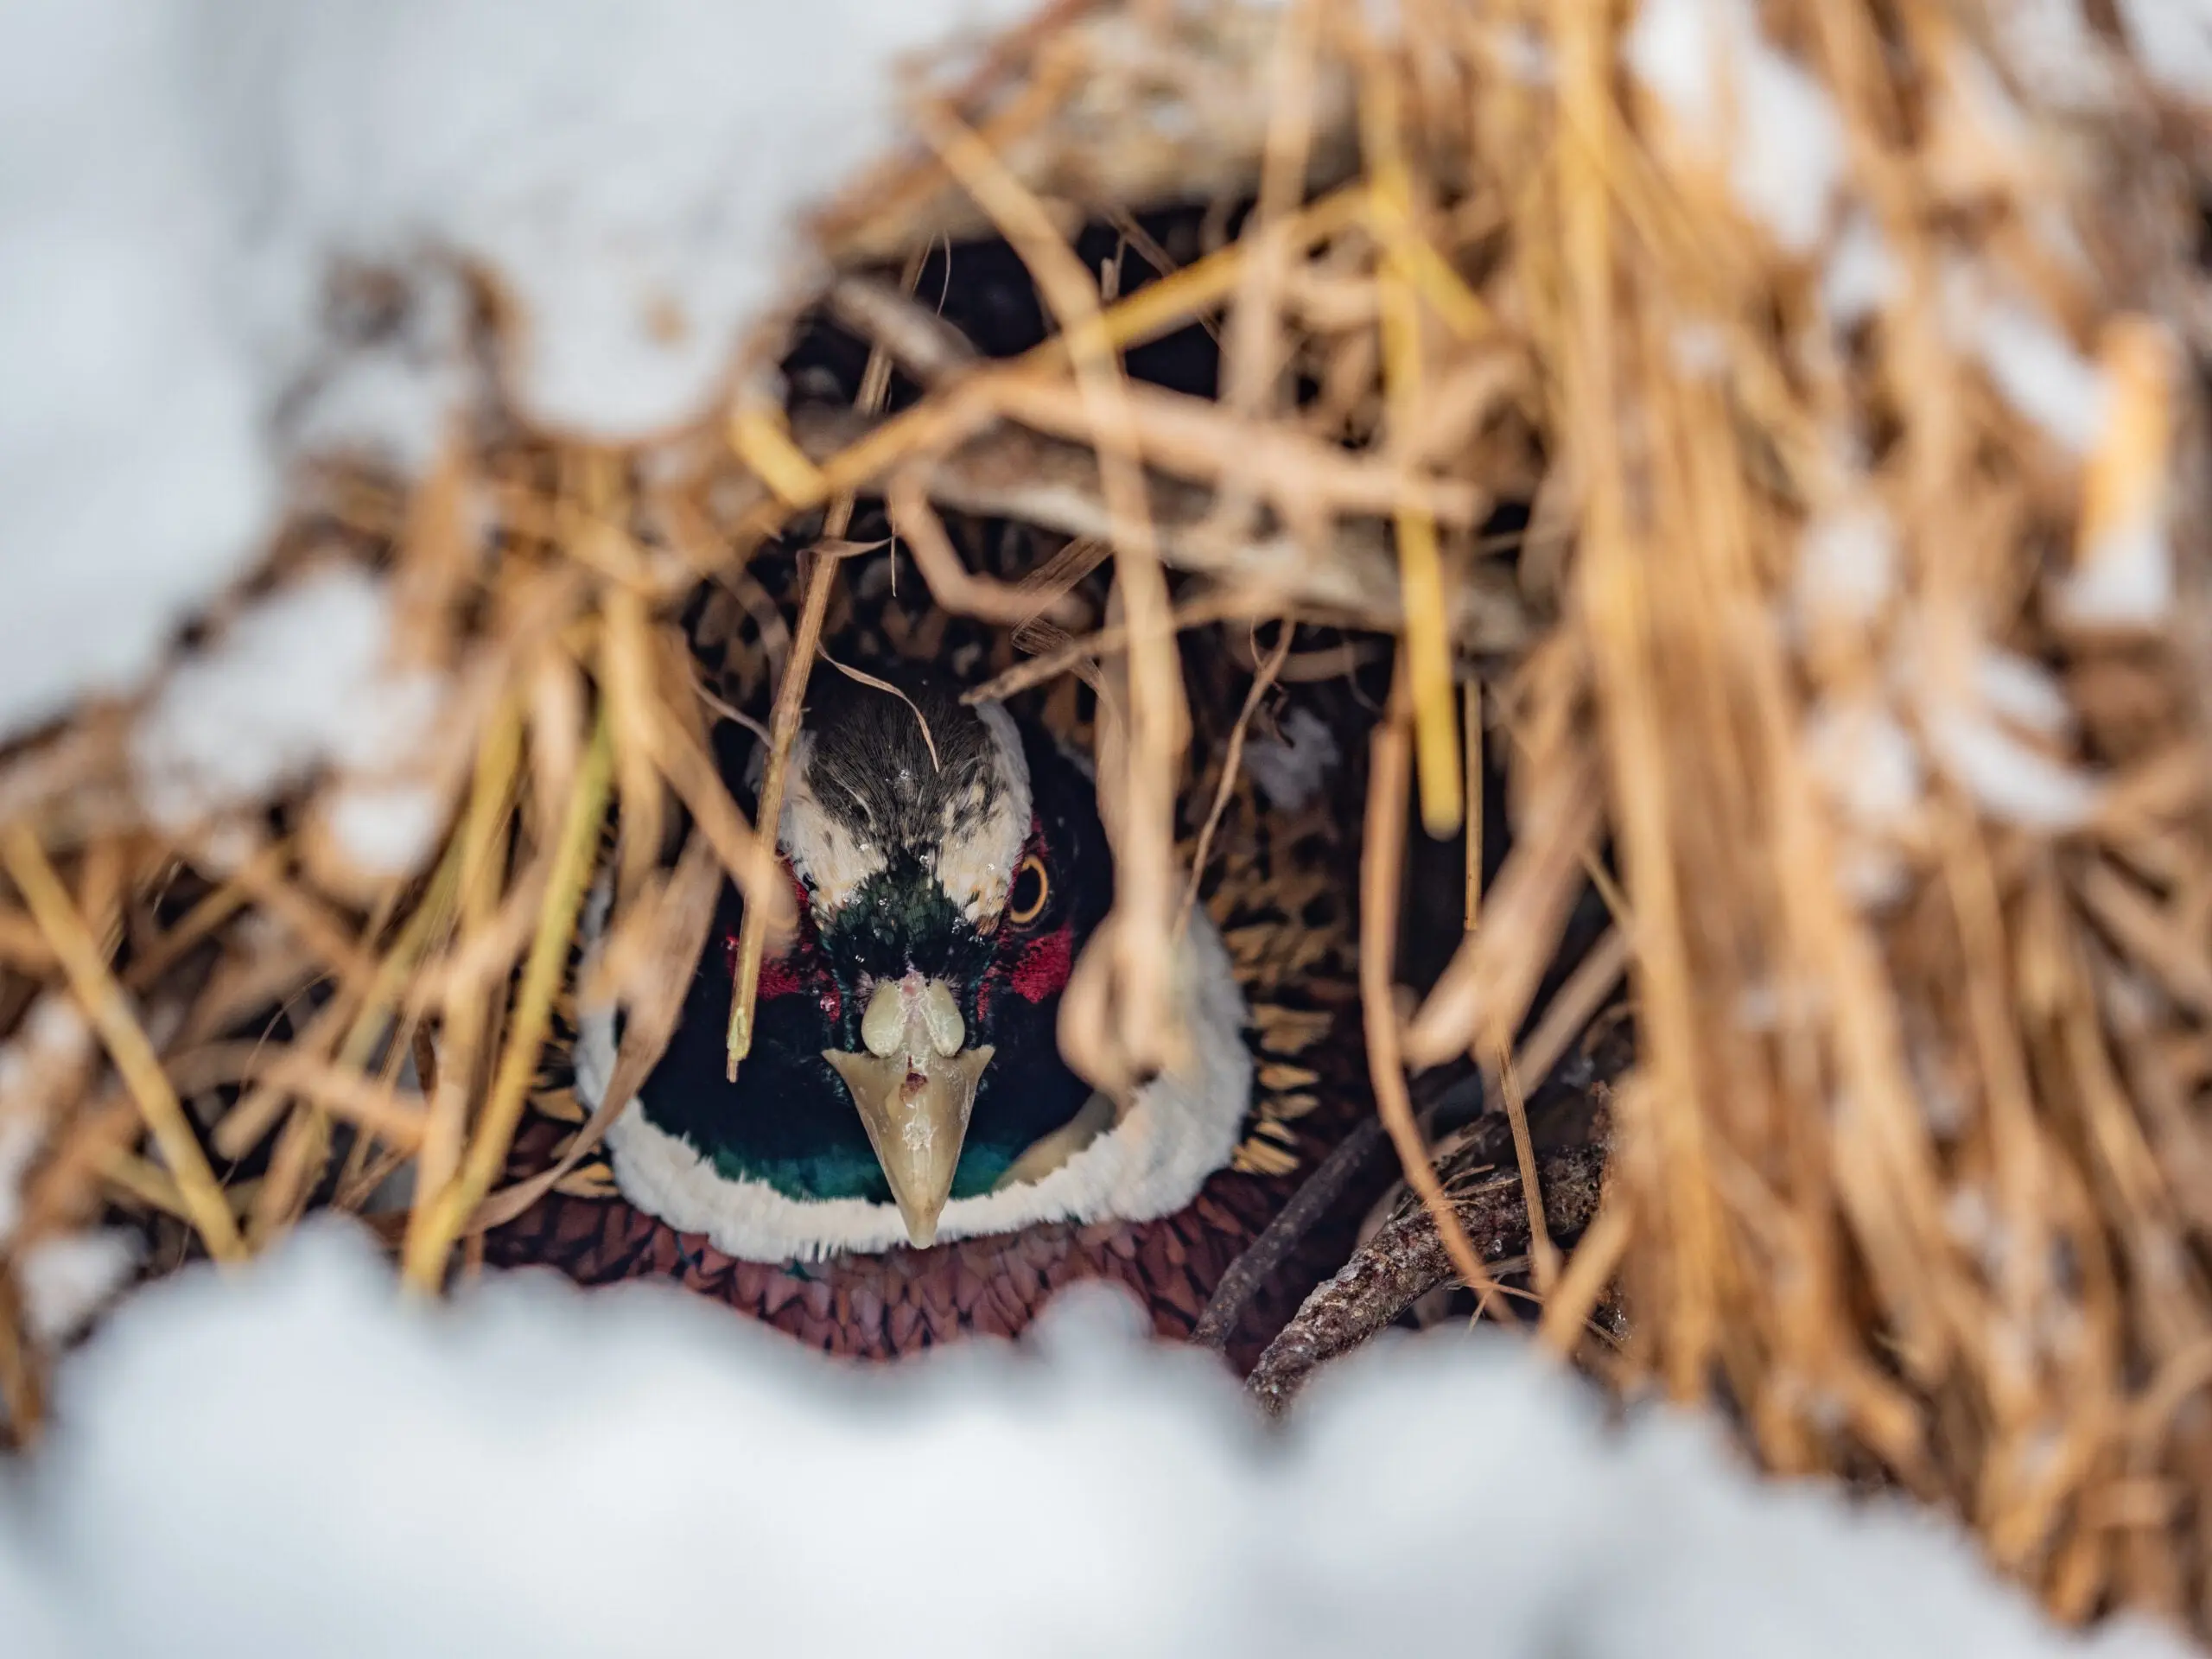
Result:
[[884, 1305]]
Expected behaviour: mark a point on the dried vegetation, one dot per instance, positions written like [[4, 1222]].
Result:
[[1860, 618]]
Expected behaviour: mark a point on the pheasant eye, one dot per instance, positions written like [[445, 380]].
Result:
[[1030, 887]]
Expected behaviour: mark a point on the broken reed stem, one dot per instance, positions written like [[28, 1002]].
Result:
[[1382, 856], [783, 731], [1614, 567], [1230, 761], [1220, 606], [22, 1399], [491, 803], [1154, 309], [109, 1008], [1420, 568], [1542, 1251], [1471, 721], [1574, 1006], [790, 699], [1597, 1257], [1150, 1031], [541, 979]]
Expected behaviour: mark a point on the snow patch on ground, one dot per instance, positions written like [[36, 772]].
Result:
[[1784, 152], [302, 679], [2033, 366], [1847, 565], [1861, 276], [2022, 690], [133, 476], [1867, 759], [181, 180], [2012, 780], [295, 1459], [44, 1061], [2173, 41], [66, 1278], [631, 171], [1998, 724], [2051, 48], [2125, 575]]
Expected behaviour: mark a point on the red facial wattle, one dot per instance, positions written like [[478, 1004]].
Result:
[[1043, 969]]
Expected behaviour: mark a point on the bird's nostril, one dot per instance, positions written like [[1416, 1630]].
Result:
[[941, 1015], [885, 1023]]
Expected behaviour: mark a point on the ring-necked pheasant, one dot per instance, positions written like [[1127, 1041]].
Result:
[[904, 1156]]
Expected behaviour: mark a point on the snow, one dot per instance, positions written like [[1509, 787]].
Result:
[[297, 1459], [181, 181], [2033, 366], [302, 679], [23, 1134], [1522, 55], [2009, 779], [2041, 374], [1866, 759], [1785, 158], [66, 1278], [2126, 576], [1699, 348], [40, 1062], [1990, 719], [55, 1029], [2022, 690], [384, 829], [2056, 55], [1848, 564], [631, 171], [1981, 97], [133, 478], [1861, 277], [388, 389], [2173, 42]]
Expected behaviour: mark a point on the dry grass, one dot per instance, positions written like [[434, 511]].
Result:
[[1915, 1171]]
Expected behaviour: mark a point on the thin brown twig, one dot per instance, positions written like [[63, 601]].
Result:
[[1154, 309], [1230, 760], [1470, 720], [1389, 774], [790, 695], [906, 499], [1540, 1248], [1221, 604]]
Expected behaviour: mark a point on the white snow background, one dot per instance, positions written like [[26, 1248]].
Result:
[[179, 177], [300, 1461]]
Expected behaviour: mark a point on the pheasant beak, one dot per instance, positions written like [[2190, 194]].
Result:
[[914, 1087]]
